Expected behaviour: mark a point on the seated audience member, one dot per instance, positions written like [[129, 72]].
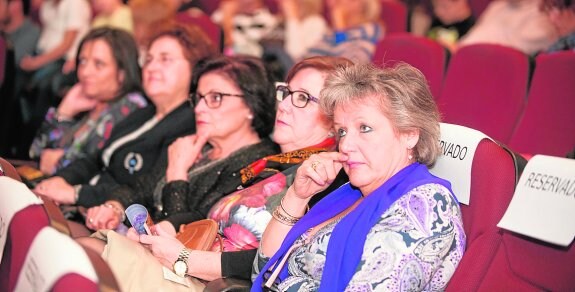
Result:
[[112, 13], [562, 15], [452, 19], [20, 32], [301, 130], [395, 226], [21, 35], [139, 144], [108, 89], [234, 107], [47, 73], [245, 23], [356, 27], [304, 25], [520, 24]]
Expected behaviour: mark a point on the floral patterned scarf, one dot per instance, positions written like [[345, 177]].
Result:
[[244, 214], [280, 162]]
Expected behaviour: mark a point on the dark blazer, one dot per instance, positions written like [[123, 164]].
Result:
[[190, 200], [146, 153]]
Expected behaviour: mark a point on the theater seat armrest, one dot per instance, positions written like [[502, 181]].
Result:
[[228, 285]]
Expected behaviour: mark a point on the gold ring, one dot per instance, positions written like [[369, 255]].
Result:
[[314, 165]]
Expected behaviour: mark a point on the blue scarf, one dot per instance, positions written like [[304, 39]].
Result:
[[342, 257]]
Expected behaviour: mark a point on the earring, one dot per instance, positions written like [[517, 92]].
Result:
[[250, 117], [409, 155]]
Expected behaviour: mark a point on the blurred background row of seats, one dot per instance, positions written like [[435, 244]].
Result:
[[520, 101]]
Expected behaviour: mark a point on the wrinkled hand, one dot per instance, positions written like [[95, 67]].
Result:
[[76, 102], [102, 217], [182, 154], [49, 159], [317, 173], [163, 246], [57, 189], [164, 225]]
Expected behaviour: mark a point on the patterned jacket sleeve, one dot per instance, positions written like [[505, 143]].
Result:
[[50, 133], [100, 131]]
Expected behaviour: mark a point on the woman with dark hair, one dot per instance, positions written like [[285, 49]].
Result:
[[234, 107], [108, 90], [139, 144], [301, 130]]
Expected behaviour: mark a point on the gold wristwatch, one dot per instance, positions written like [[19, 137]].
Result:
[[181, 264]]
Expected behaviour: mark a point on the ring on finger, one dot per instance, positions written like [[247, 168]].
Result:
[[314, 165]]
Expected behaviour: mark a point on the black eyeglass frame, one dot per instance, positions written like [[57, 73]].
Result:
[[282, 89], [195, 98]]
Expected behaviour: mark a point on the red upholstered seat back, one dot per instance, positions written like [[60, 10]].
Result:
[[526, 264], [24, 226], [548, 123], [394, 15], [485, 89], [422, 53], [493, 179]]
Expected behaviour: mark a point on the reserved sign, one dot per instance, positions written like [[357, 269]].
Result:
[[44, 263], [458, 145], [543, 205]]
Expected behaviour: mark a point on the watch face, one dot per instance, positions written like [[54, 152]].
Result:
[[180, 268]]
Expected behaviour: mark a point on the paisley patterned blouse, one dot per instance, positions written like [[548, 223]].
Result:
[[64, 134], [416, 246]]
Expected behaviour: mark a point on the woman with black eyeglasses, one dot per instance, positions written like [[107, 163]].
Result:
[[301, 130]]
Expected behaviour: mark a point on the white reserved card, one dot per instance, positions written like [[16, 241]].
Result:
[[14, 196], [458, 145], [51, 256], [543, 205]]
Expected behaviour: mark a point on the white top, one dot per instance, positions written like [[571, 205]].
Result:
[[57, 19], [517, 24], [302, 35]]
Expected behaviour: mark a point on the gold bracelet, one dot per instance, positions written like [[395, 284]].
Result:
[[284, 219], [286, 212]]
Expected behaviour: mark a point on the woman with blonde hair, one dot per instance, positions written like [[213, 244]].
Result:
[[394, 226]]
